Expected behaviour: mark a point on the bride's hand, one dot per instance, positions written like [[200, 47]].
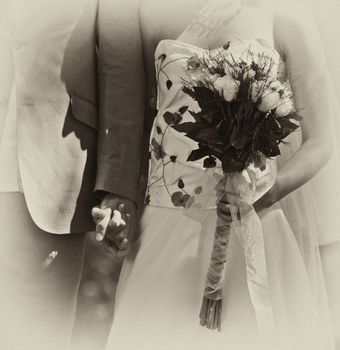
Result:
[[274, 194], [268, 199], [115, 224]]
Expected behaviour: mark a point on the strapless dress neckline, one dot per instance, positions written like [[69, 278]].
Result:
[[263, 43]]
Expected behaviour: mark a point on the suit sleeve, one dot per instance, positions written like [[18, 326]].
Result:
[[121, 98]]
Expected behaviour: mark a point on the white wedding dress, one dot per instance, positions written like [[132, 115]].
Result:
[[161, 286]]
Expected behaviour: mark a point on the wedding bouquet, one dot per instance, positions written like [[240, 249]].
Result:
[[245, 113]]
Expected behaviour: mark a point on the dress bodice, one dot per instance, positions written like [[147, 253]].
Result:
[[172, 179]]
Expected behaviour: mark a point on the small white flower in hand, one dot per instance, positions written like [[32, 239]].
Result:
[[115, 224], [101, 217]]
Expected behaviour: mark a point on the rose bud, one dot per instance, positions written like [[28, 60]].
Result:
[[193, 63], [284, 108], [276, 85], [249, 74], [269, 101], [227, 87]]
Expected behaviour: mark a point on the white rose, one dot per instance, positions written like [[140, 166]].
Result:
[[284, 108], [231, 68], [219, 84], [249, 74], [227, 87], [231, 90], [227, 68], [275, 85], [247, 56], [213, 78], [269, 100], [197, 75]]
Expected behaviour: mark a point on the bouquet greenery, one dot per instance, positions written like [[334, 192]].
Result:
[[245, 113]]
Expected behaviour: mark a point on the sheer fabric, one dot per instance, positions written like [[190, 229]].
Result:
[[314, 207], [160, 289]]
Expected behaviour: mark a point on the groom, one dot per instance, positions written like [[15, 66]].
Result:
[[70, 103]]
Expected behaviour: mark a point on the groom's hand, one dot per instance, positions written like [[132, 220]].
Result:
[[115, 220]]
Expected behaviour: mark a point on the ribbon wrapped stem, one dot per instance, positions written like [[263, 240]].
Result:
[[211, 310], [236, 193]]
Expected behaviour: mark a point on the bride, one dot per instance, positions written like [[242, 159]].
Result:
[[162, 281]]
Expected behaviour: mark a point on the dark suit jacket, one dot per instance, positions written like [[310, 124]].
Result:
[[79, 119]]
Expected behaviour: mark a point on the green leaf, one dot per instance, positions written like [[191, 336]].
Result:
[[180, 184], [198, 190], [157, 149], [205, 97], [168, 117], [198, 154], [226, 46], [176, 198], [177, 118], [183, 109], [196, 116], [295, 116], [179, 199], [287, 127], [172, 118], [190, 202], [185, 200], [209, 162], [208, 136], [259, 160], [162, 57], [237, 139], [216, 150], [208, 117], [232, 161], [188, 91], [188, 127], [270, 149]]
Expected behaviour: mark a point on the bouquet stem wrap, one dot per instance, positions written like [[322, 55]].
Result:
[[211, 310], [240, 190]]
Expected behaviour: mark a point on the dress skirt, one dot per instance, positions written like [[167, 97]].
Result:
[[161, 287]]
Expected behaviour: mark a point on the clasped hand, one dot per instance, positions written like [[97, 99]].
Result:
[[115, 221], [266, 201]]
